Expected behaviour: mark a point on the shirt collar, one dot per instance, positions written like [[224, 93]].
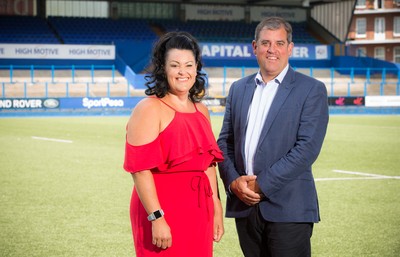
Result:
[[278, 79]]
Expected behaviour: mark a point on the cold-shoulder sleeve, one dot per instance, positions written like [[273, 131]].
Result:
[[143, 157], [217, 153]]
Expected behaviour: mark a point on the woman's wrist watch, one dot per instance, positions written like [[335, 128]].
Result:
[[155, 215]]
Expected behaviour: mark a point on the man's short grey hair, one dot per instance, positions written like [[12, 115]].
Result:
[[274, 23]]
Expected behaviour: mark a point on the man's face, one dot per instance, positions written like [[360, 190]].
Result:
[[272, 51]]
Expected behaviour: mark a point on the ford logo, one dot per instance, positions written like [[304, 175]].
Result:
[[51, 103]]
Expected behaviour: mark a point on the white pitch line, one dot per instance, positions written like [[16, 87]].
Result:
[[362, 174], [365, 176], [354, 178], [52, 139]]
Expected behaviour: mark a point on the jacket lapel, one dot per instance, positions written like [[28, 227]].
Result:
[[247, 98]]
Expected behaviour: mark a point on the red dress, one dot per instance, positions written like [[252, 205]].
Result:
[[177, 158]]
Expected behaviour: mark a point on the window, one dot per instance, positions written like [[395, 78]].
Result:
[[361, 52], [71, 8], [361, 27], [396, 54], [397, 2], [396, 26], [145, 10], [379, 4], [361, 4], [379, 28], [379, 53]]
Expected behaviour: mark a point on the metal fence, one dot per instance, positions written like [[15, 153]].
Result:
[[105, 81], [339, 81]]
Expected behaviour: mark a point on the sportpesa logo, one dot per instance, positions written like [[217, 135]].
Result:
[[102, 102]]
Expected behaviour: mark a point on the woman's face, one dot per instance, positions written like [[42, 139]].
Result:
[[181, 70]]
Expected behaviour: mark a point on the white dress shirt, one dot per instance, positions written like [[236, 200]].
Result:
[[258, 112]]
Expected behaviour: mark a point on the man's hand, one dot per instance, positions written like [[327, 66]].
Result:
[[253, 185], [240, 187]]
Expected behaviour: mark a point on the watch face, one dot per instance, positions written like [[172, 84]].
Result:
[[157, 214]]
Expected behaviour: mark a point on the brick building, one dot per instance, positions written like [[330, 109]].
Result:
[[375, 30]]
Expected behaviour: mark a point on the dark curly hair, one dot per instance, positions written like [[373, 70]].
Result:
[[157, 83]]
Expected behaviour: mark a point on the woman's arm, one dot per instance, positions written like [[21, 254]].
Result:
[[218, 212], [142, 130], [147, 192]]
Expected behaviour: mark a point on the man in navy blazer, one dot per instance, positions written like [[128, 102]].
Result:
[[273, 129]]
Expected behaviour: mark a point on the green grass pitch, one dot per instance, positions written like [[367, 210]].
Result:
[[63, 191]]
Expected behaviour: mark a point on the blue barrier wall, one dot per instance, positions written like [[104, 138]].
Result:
[[360, 63], [136, 54]]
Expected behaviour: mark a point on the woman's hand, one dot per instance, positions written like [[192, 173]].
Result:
[[161, 232], [218, 221]]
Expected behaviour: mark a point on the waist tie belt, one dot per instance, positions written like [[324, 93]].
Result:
[[201, 184]]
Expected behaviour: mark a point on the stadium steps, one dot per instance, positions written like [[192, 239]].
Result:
[[341, 84], [218, 86], [101, 86]]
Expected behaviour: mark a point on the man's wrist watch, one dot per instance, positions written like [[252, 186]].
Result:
[[155, 215]]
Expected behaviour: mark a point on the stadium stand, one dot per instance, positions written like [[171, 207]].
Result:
[[211, 31], [230, 31], [26, 29], [78, 30]]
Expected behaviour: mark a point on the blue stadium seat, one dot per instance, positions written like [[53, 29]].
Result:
[[26, 29], [229, 31], [75, 30], [79, 30]]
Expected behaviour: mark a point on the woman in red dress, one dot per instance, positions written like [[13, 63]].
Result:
[[171, 153]]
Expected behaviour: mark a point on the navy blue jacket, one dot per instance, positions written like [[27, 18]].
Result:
[[290, 142]]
